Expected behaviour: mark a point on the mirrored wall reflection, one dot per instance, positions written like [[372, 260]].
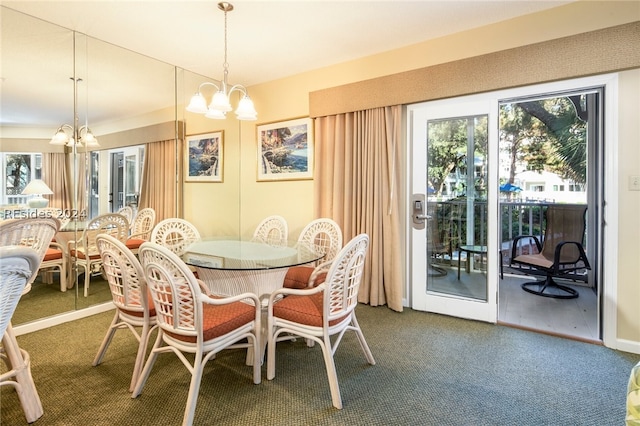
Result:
[[127, 100]]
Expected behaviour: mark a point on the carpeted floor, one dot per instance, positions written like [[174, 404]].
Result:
[[431, 370]]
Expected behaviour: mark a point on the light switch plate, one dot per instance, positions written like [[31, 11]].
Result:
[[634, 183]]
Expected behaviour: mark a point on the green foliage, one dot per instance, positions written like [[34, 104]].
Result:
[[548, 134], [447, 153]]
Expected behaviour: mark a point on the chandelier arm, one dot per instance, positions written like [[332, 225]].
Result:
[[220, 105], [239, 88], [208, 83]]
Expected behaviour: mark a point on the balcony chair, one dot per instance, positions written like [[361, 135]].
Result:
[[435, 245], [560, 254], [272, 230], [18, 267], [321, 312], [175, 234], [85, 252], [322, 235], [141, 228], [129, 293], [194, 323]]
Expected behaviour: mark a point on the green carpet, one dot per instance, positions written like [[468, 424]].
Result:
[[46, 300], [431, 370]]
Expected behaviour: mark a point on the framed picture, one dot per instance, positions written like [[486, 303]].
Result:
[[285, 150], [204, 157]]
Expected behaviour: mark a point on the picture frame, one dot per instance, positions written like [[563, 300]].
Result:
[[204, 157], [285, 150]]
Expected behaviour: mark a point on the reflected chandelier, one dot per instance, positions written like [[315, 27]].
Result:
[[83, 136], [77, 136], [220, 105]]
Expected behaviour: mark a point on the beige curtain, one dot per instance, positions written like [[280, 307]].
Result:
[[160, 177], [59, 174], [357, 185], [55, 175]]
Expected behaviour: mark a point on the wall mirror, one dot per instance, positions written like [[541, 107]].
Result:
[[128, 100]]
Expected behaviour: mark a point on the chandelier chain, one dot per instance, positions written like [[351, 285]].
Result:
[[225, 65]]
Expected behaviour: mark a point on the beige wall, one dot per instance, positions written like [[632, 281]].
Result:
[[628, 219], [288, 98]]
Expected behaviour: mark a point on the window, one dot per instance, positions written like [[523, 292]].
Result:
[[18, 170]]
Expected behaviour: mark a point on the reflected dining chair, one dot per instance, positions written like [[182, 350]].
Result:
[[127, 212], [85, 252], [191, 322], [175, 234], [18, 267], [36, 233], [128, 288], [322, 312], [272, 230], [322, 235], [141, 228]]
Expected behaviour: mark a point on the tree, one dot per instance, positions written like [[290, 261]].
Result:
[[564, 121], [18, 172], [447, 152]]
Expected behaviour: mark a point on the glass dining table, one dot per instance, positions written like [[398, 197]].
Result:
[[230, 266]]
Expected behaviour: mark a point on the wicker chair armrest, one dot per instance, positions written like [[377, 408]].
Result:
[[141, 236], [320, 269], [58, 246], [230, 299]]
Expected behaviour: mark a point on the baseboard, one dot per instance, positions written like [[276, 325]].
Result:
[[628, 346], [62, 318]]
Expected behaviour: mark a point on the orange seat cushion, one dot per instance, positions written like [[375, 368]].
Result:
[[221, 319], [81, 255], [303, 309], [52, 254], [134, 243], [298, 277]]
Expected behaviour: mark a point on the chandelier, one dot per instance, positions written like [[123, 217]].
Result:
[[82, 136], [76, 136], [220, 105]]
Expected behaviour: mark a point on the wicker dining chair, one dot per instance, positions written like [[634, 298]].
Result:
[[322, 235], [85, 252], [175, 234], [38, 234], [272, 230], [141, 228], [134, 310], [319, 313], [18, 267], [191, 322], [127, 212]]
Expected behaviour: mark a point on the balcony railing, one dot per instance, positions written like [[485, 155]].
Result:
[[454, 226]]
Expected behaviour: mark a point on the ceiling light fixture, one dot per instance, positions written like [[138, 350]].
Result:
[[220, 104], [77, 135], [82, 136]]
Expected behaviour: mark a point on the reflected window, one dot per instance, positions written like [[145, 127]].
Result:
[[18, 170], [116, 177]]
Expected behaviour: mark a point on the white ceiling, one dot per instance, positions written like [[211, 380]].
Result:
[[267, 40]]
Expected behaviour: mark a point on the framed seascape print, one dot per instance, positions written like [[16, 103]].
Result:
[[285, 150], [204, 157]]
